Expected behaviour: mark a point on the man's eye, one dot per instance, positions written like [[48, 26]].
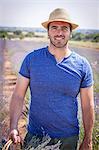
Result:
[[53, 27], [65, 28]]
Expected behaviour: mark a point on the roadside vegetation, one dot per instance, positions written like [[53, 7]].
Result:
[[76, 36], [92, 37], [18, 34], [89, 40]]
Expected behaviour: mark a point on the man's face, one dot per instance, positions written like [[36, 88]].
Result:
[[59, 33]]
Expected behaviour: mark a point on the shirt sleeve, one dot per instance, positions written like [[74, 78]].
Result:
[[87, 79], [25, 67]]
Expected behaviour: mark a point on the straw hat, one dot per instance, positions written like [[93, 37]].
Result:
[[59, 14]]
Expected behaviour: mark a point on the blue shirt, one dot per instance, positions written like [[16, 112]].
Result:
[[54, 89]]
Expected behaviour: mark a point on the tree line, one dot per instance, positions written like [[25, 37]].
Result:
[[15, 34], [76, 36], [92, 37]]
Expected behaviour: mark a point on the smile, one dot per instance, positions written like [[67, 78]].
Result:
[[59, 38]]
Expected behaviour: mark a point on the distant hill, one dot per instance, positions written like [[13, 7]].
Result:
[[24, 29], [30, 29], [87, 31]]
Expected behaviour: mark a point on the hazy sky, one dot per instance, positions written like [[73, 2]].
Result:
[[30, 13]]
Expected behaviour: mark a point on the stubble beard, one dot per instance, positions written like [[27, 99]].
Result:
[[58, 44]]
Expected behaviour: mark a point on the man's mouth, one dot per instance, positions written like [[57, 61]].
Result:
[[59, 37]]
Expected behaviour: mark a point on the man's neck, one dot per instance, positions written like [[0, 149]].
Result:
[[59, 53]]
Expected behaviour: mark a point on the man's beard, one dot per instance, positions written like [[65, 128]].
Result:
[[58, 44]]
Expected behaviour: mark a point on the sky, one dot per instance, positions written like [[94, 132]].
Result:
[[31, 13]]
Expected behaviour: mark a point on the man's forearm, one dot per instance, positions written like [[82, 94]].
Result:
[[87, 104], [16, 106], [88, 121]]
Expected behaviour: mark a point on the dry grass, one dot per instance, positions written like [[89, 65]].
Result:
[[86, 44]]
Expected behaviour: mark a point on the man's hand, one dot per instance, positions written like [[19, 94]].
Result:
[[14, 136], [86, 144]]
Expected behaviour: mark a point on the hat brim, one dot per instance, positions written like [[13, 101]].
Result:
[[45, 24]]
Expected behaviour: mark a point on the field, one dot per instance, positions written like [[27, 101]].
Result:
[[12, 53]]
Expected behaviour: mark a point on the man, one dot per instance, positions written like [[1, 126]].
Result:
[[56, 76]]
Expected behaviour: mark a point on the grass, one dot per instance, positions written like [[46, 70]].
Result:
[[96, 82], [87, 44]]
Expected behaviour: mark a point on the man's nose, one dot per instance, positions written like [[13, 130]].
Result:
[[59, 30]]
